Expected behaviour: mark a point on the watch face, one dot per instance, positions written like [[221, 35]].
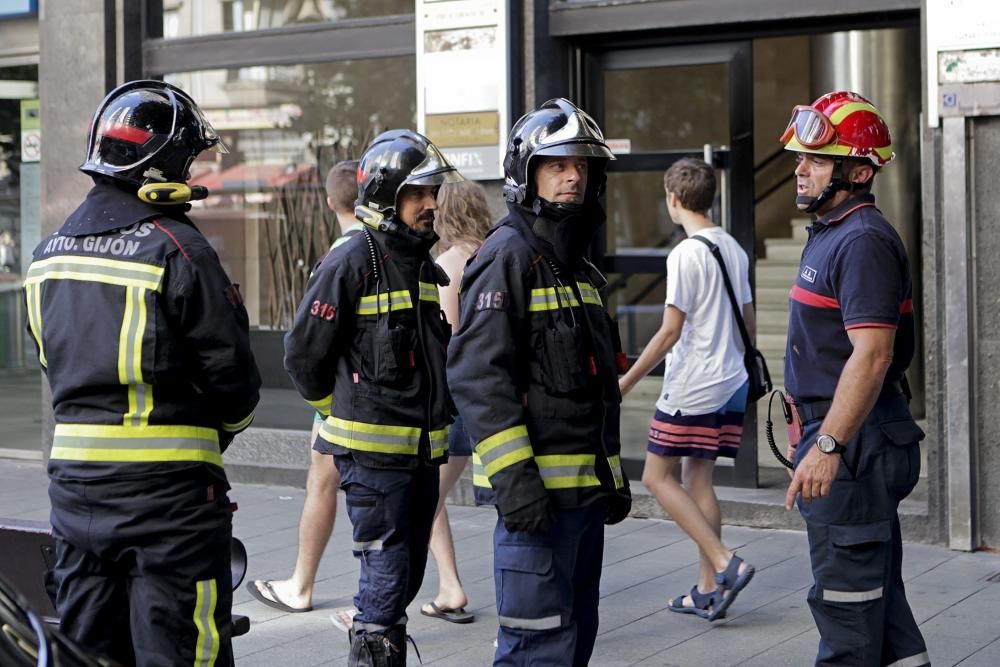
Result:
[[826, 444]]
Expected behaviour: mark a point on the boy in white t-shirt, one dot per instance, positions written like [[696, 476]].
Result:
[[699, 415]]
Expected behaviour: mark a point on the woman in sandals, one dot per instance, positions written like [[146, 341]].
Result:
[[699, 415], [463, 218]]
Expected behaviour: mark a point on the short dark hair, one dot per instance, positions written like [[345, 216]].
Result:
[[693, 181], [342, 185]]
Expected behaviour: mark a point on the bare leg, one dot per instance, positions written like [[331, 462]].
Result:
[[697, 477], [660, 476], [318, 515], [450, 592]]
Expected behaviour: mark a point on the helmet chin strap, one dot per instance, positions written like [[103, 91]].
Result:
[[837, 183]]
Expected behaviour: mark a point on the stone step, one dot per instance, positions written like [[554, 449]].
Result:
[[776, 275], [783, 250]]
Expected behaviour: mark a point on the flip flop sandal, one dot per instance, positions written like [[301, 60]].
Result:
[[274, 602], [702, 603], [458, 615], [730, 583], [343, 618]]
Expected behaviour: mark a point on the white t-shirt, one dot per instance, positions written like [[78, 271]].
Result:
[[705, 367]]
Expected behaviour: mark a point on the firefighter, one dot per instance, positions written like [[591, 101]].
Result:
[[534, 370], [367, 349], [850, 341], [146, 347]]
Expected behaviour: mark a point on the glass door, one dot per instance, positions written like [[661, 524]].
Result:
[[657, 105]]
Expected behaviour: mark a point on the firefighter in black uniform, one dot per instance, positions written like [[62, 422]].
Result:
[[534, 372], [368, 349], [146, 347]]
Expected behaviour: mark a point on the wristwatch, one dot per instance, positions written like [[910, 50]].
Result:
[[829, 445]]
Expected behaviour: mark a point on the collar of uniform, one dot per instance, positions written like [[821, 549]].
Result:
[[847, 207], [522, 218], [107, 208], [405, 242]]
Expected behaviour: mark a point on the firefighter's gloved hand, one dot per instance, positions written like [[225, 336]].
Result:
[[535, 516], [618, 509]]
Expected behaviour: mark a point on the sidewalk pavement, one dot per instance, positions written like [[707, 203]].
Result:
[[646, 562]]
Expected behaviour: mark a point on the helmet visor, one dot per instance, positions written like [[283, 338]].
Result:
[[810, 127], [434, 170], [213, 142]]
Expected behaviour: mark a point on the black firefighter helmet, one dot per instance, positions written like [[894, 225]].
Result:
[[556, 128], [392, 160], [148, 132]]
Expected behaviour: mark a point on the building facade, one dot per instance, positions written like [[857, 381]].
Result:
[[294, 86]]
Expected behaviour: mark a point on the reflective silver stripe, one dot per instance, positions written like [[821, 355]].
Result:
[[371, 437], [429, 292], [567, 471], [34, 300], [851, 596], [589, 294], [550, 298], [479, 477], [616, 470], [547, 623], [384, 302], [918, 660], [135, 444], [96, 269], [370, 545], [207, 646], [240, 425], [504, 449], [140, 399]]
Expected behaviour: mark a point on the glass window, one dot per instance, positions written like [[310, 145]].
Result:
[[188, 18], [285, 126]]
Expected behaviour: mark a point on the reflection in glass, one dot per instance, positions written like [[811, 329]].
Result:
[[667, 108], [285, 127], [187, 18]]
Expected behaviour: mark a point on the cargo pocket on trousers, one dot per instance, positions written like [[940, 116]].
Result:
[[527, 596], [902, 458], [365, 508], [857, 563]]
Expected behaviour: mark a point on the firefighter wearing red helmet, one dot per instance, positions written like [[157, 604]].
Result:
[[850, 341]]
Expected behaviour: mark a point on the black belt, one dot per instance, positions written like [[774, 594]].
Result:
[[810, 411]]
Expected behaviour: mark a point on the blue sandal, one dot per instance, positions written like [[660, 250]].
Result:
[[702, 602], [730, 583]]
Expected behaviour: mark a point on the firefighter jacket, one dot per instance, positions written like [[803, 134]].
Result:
[[533, 371], [144, 340], [367, 349]]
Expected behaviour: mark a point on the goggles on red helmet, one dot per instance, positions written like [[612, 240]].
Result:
[[811, 128]]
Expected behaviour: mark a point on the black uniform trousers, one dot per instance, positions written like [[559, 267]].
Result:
[[391, 512], [143, 567], [858, 600]]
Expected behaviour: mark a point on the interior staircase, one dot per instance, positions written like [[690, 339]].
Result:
[[775, 274]]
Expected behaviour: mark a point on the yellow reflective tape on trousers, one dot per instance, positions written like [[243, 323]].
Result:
[[33, 298], [550, 298], [429, 292], [384, 302], [207, 647], [140, 394], [371, 437], [135, 444], [567, 471], [96, 269], [439, 442], [479, 477], [589, 294], [503, 449], [615, 462]]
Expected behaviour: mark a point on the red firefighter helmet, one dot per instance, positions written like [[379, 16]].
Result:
[[840, 124]]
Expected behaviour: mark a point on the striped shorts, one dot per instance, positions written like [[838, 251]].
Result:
[[701, 436]]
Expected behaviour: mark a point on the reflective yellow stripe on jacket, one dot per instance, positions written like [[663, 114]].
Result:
[[479, 477], [135, 444], [429, 292], [439, 442], [504, 449], [384, 302], [324, 406], [615, 462], [589, 294], [567, 471], [138, 279], [371, 437], [551, 298]]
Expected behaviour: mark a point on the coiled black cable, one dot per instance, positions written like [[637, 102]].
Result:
[[769, 426]]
